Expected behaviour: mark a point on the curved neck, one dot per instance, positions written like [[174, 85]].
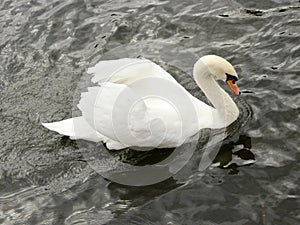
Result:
[[226, 109]]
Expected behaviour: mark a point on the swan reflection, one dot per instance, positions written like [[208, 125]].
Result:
[[235, 154]]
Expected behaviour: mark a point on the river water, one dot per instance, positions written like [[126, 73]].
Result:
[[46, 47]]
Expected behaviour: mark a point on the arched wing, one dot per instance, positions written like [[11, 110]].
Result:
[[127, 71], [116, 112]]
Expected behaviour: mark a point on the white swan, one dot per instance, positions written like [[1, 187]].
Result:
[[137, 103]]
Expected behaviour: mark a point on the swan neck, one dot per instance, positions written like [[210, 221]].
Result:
[[226, 109]]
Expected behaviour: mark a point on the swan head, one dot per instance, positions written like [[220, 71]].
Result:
[[222, 69]]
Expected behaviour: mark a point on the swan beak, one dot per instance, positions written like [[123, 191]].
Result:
[[232, 84]]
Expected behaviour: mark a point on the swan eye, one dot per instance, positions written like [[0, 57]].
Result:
[[231, 77]]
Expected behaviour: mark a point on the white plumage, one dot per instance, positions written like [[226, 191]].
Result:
[[137, 103]]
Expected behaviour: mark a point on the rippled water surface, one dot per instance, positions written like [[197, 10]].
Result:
[[46, 47]]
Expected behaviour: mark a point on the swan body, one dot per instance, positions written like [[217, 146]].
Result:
[[137, 103]]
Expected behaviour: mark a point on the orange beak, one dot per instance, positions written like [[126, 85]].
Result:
[[232, 84]]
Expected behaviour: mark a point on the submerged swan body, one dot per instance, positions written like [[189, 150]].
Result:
[[137, 103]]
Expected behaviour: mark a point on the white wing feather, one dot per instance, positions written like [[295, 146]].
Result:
[[126, 71], [116, 113], [107, 109]]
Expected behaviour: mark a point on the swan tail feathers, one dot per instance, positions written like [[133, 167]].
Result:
[[75, 128], [78, 128]]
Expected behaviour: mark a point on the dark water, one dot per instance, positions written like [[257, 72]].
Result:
[[46, 46]]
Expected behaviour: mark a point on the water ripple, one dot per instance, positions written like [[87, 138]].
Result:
[[45, 48]]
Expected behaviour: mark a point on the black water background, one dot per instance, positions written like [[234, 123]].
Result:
[[47, 45]]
